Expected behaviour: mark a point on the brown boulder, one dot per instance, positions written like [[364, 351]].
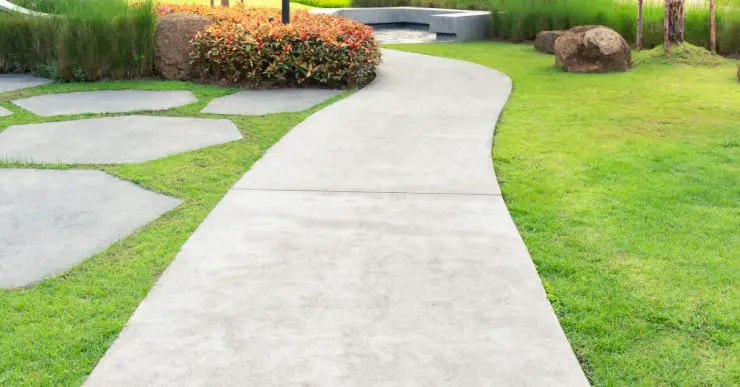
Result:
[[592, 49], [172, 40], [545, 41]]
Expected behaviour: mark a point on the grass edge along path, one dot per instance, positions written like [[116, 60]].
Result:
[[625, 187], [54, 332]]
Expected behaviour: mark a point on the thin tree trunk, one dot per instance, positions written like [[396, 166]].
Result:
[[212, 4], [666, 27], [675, 20], [224, 3], [712, 26], [677, 16], [639, 24]]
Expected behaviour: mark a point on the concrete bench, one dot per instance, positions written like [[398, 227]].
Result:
[[463, 24]]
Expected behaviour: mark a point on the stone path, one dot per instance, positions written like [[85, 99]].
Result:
[[54, 219], [112, 140], [394, 262], [104, 101], [4, 112], [10, 82], [258, 102]]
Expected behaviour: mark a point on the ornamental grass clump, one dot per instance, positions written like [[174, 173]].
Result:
[[251, 47], [80, 41]]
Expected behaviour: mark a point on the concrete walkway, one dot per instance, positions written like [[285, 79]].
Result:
[[368, 247]]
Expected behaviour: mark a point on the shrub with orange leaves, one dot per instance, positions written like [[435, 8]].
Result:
[[250, 46]]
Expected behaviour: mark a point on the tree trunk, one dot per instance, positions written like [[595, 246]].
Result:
[[677, 16], [224, 3], [666, 27], [639, 24], [712, 26], [675, 19]]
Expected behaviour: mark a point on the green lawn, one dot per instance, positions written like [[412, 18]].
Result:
[[626, 188], [54, 333]]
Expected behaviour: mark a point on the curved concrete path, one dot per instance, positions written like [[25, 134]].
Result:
[[368, 247]]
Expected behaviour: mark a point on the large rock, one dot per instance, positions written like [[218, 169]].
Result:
[[591, 49], [545, 41], [174, 32]]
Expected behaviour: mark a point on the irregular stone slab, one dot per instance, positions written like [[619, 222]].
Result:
[[4, 112], [112, 140], [10, 82], [52, 220], [104, 101], [257, 102], [346, 289]]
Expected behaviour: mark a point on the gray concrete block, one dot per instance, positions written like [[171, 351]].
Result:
[[53, 220], [11, 82], [4, 112], [346, 289], [113, 140], [105, 101], [258, 102], [464, 24]]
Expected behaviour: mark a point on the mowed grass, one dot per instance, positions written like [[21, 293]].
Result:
[[626, 188], [54, 332]]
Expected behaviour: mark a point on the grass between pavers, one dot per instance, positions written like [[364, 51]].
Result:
[[53, 333], [626, 189]]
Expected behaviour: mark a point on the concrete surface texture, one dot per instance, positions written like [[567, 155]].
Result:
[[11, 82], [4, 112], [340, 282], [258, 102], [112, 140], [104, 101], [54, 219], [462, 24]]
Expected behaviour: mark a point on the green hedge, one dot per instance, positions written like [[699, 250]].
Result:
[[94, 44], [522, 19]]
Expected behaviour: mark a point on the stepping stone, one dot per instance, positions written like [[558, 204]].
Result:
[[10, 82], [104, 101], [258, 102], [53, 220], [113, 140], [4, 112]]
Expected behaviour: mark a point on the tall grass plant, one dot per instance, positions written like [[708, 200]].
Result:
[[80, 40]]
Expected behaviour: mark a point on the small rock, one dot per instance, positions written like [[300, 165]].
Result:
[[592, 49], [174, 32], [545, 41]]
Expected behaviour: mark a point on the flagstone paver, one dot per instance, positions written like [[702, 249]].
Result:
[[54, 219], [104, 101], [258, 102], [11, 82], [112, 140]]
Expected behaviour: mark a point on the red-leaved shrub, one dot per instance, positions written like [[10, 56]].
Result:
[[250, 46]]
